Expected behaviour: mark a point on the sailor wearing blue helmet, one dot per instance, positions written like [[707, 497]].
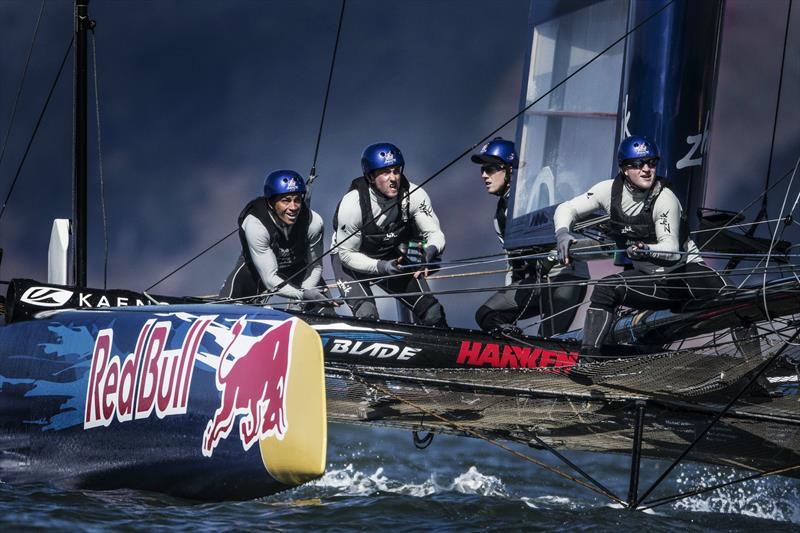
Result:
[[281, 241], [499, 162], [376, 223], [646, 221]]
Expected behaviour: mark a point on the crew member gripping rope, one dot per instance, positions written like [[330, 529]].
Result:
[[646, 221], [280, 237], [499, 160], [376, 216]]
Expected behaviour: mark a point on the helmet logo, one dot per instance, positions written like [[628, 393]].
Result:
[[641, 148], [484, 148], [388, 157], [291, 184]]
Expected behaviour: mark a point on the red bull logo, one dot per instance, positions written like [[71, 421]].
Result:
[[151, 379], [253, 386]]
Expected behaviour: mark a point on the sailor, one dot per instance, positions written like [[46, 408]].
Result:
[[499, 161], [647, 222], [374, 223], [281, 241]]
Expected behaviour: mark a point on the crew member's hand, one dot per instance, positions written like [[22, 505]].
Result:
[[389, 267], [431, 256], [564, 240], [638, 251], [311, 295]]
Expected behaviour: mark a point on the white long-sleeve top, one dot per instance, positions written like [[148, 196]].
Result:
[[666, 218], [259, 244], [349, 223]]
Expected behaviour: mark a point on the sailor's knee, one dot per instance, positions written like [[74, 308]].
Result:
[[483, 317], [604, 297], [434, 316], [366, 310]]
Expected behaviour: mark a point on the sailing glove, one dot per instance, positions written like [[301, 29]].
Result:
[[432, 256], [563, 241], [388, 267], [312, 294], [638, 251]]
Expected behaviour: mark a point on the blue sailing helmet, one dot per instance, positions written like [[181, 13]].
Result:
[[636, 147], [284, 182], [498, 150], [381, 155]]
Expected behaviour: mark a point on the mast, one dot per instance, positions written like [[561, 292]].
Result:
[[82, 25]]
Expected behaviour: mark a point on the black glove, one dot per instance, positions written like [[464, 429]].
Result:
[[505, 330], [563, 241], [638, 251], [313, 295], [388, 267], [431, 253]]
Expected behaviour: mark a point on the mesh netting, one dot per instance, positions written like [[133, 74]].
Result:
[[592, 407]]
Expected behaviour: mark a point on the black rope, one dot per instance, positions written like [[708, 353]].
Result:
[[36, 129], [763, 212], [21, 83], [683, 495], [487, 136], [316, 147], [313, 172], [718, 416], [100, 160], [192, 259], [575, 467]]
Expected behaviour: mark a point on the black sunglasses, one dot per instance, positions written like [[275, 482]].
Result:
[[491, 169], [639, 163]]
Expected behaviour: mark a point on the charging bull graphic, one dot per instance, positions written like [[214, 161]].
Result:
[[254, 386]]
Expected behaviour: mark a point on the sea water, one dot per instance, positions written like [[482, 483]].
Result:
[[376, 479]]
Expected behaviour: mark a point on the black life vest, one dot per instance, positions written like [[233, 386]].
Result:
[[376, 242], [291, 253], [630, 229]]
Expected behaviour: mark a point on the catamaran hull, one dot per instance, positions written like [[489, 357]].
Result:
[[202, 402]]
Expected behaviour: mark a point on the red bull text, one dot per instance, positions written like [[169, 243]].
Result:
[[254, 386], [147, 380]]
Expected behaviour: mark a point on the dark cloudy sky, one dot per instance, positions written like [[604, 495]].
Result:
[[200, 99]]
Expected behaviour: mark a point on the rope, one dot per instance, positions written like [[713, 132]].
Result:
[[192, 259], [469, 431], [763, 210], [313, 173], [100, 161], [36, 128], [683, 495], [21, 83], [717, 417], [471, 148]]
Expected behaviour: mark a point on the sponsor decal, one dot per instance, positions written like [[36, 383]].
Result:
[[388, 157], [56, 297], [641, 148], [378, 350], [291, 184], [252, 385], [151, 379], [626, 229], [46, 296], [510, 356]]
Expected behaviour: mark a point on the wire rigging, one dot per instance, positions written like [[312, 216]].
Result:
[[21, 83], [36, 128]]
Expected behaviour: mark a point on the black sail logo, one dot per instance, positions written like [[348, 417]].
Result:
[[46, 296]]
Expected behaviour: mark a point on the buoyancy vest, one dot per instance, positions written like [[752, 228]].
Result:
[[630, 229], [291, 253], [376, 242]]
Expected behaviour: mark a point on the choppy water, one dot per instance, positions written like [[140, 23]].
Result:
[[377, 479]]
